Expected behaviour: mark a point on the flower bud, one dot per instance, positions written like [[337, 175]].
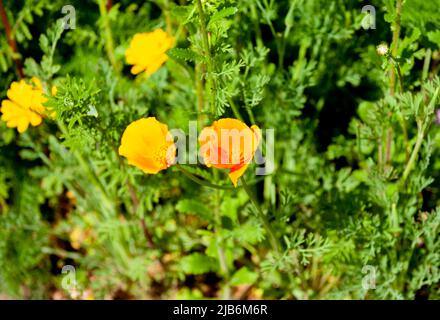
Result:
[[382, 49]]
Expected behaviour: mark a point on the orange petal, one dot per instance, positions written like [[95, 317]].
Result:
[[236, 173], [148, 145]]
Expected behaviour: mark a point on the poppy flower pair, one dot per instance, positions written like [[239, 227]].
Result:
[[226, 144]]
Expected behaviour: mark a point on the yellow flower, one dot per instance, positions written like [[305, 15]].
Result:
[[147, 51], [148, 145], [77, 236], [25, 105], [229, 144]]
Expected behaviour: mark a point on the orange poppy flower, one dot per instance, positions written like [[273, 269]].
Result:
[[148, 145], [229, 144]]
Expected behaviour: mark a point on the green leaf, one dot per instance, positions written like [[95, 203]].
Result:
[[195, 207], [216, 17], [198, 263], [183, 13], [434, 36], [28, 154], [244, 276], [184, 54]]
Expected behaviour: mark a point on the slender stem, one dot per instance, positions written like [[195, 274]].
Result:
[[405, 137], [135, 200], [389, 143], [220, 249], [277, 37], [11, 40], [209, 63], [250, 113], [151, 243], [394, 51], [147, 234], [168, 16], [380, 152], [85, 165], [133, 195], [289, 23], [199, 89], [403, 123], [395, 43], [414, 154], [389, 137], [399, 75], [271, 234], [423, 126], [108, 37], [257, 30], [201, 181], [235, 109], [426, 64]]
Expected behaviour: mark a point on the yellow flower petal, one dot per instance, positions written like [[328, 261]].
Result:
[[17, 117], [25, 105], [147, 51], [21, 93]]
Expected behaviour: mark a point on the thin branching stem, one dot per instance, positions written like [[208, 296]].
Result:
[[412, 159], [394, 51], [395, 43], [210, 83], [108, 37], [426, 64], [266, 224], [218, 237]]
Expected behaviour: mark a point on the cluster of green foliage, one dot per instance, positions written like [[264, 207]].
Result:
[[355, 190]]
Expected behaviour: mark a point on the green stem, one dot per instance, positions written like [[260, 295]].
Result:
[[414, 154], [399, 73], [85, 165], [109, 46], [201, 181], [395, 43], [271, 234], [426, 64], [199, 89], [276, 37], [393, 54], [405, 136], [235, 110], [168, 16], [403, 123], [380, 151], [388, 145], [209, 63], [257, 30], [218, 237], [389, 136]]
